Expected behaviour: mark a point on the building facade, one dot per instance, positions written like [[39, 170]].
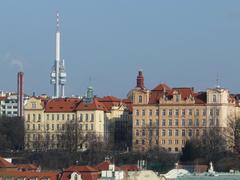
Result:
[[168, 117], [68, 122]]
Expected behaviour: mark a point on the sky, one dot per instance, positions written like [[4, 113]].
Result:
[[105, 42]]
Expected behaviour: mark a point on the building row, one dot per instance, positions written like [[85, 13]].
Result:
[[62, 123]]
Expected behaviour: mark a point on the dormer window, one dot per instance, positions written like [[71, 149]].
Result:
[[140, 99], [34, 105]]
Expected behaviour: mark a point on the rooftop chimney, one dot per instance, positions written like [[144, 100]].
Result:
[[140, 80]]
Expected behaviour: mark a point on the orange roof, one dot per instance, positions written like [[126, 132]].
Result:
[[104, 166], [26, 166], [62, 105], [95, 105], [76, 168], [129, 168], [29, 174], [185, 92], [5, 164]]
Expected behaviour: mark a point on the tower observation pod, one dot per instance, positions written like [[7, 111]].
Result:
[[58, 75]]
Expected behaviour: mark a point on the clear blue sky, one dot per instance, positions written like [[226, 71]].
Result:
[[182, 43]]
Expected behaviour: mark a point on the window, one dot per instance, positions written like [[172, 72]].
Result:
[[190, 122], [52, 126], [170, 112], [150, 122], [163, 142], [214, 98], [47, 116], [62, 116], [52, 116], [164, 112], [91, 126], [170, 122], [81, 118], [204, 112], [86, 126], [28, 126], [86, 117], [170, 142], [33, 126], [157, 112], [176, 142], [176, 122], [169, 132], [163, 122], [136, 141], [176, 132], [197, 112], [183, 132], [150, 133], [143, 122], [163, 132], [28, 117], [137, 112], [189, 132], [204, 122], [190, 112], [140, 99], [143, 132], [211, 112], [58, 117], [34, 106], [183, 122], [34, 117], [39, 127], [57, 126], [197, 132], [157, 132], [176, 112], [217, 112], [183, 112], [47, 126], [63, 127], [80, 126], [150, 112], [137, 133], [196, 122], [92, 117], [137, 122], [157, 122], [143, 112], [68, 117], [143, 142]]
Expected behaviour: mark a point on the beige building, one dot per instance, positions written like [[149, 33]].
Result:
[[167, 117], [67, 122]]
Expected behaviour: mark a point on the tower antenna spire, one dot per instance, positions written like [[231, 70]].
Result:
[[218, 81]]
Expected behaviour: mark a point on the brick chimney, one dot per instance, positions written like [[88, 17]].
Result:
[[140, 80]]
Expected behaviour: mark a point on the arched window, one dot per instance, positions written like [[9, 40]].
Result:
[[214, 98]]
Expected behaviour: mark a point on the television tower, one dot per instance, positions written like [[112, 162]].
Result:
[[58, 74]]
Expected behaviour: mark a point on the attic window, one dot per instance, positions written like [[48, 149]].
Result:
[[50, 107], [61, 107]]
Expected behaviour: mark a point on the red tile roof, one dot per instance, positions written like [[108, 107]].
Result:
[[95, 105], [129, 168], [28, 174], [62, 105], [76, 168], [26, 167], [5, 164], [185, 92], [3, 98]]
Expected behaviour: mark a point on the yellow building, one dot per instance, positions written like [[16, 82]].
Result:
[[67, 122], [167, 117]]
